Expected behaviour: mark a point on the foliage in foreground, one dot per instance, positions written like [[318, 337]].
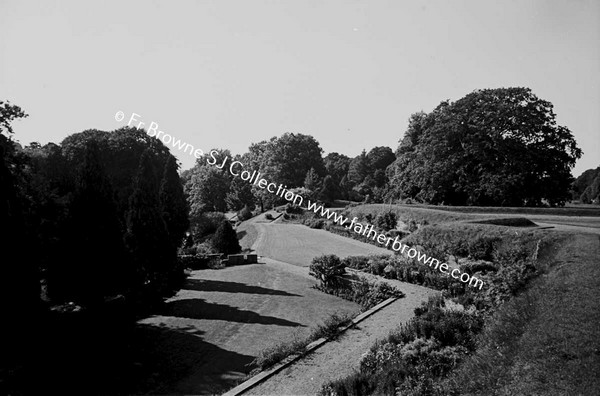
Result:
[[408, 360], [415, 359]]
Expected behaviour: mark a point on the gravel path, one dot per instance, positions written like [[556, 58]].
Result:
[[341, 357]]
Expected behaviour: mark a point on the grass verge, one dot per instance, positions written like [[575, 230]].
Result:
[[275, 354]]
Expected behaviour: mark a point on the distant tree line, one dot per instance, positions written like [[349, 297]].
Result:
[[494, 147]]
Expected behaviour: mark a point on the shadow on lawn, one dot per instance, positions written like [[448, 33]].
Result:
[[197, 308], [172, 361], [232, 287], [145, 359]]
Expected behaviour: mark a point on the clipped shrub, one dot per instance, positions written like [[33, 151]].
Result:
[[245, 214], [327, 268], [386, 221], [225, 239]]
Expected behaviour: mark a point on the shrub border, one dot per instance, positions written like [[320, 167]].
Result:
[[263, 375]]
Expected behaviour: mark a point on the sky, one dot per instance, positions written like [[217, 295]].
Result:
[[350, 73]]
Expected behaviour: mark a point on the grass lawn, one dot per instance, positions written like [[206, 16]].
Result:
[[584, 210], [204, 339], [580, 216], [298, 244]]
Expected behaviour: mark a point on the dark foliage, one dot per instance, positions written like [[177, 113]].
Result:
[[205, 224], [386, 221], [173, 205], [492, 147], [327, 269], [225, 239], [147, 231], [245, 214]]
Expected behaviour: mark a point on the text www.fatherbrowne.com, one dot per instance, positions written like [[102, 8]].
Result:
[[254, 177], [369, 231]]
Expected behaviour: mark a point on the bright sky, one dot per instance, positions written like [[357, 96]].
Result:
[[229, 73]]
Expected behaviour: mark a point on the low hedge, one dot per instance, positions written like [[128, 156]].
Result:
[[410, 360], [366, 294]]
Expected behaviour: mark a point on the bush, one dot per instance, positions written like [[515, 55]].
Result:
[[286, 216], [276, 353], [482, 247], [269, 216], [293, 209], [386, 221], [412, 225], [206, 224], [245, 214], [204, 248], [412, 358], [366, 294], [356, 262], [327, 268], [330, 328], [316, 223], [225, 239]]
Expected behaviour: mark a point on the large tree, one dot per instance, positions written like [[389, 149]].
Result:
[[337, 166], [19, 282], [147, 235], [173, 204], [207, 190], [492, 147], [287, 159], [120, 151], [240, 195], [380, 158], [359, 168], [95, 263]]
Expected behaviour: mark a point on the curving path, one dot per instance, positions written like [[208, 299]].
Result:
[[341, 357]]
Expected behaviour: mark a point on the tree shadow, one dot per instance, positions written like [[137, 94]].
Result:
[[139, 359], [175, 361], [197, 308], [232, 287]]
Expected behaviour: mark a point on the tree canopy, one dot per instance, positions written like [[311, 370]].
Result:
[[492, 147]]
